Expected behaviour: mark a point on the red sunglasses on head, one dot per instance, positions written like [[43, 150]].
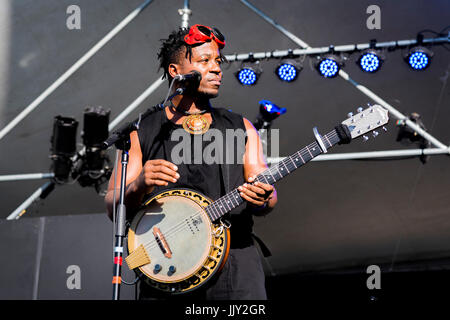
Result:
[[201, 34]]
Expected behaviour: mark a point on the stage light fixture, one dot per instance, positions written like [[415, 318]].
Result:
[[249, 72], [407, 136], [418, 58], [93, 167], [63, 147], [247, 76], [329, 65], [288, 70], [370, 60], [95, 129], [268, 111]]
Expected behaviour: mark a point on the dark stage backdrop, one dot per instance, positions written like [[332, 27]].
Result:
[[59, 258], [332, 214]]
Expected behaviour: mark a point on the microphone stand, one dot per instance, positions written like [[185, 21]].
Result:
[[121, 139], [123, 144], [177, 92]]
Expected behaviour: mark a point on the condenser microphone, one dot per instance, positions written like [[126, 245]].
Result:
[[193, 76]]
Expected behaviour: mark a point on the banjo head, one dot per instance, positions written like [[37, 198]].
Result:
[[172, 241]]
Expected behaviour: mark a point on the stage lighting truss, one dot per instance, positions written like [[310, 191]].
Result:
[[418, 58], [370, 60], [329, 60], [249, 72], [288, 70]]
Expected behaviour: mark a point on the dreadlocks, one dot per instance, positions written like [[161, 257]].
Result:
[[171, 50]]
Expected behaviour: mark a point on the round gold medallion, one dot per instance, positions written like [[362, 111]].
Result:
[[196, 124]]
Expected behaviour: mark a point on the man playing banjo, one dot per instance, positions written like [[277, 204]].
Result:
[[152, 169]]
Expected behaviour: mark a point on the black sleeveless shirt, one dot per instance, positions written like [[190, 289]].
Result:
[[160, 138]]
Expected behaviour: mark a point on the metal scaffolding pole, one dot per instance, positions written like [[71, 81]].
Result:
[[22, 208], [26, 176], [36, 102], [373, 154], [155, 85], [322, 50], [346, 77], [185, 13], [40, 192]]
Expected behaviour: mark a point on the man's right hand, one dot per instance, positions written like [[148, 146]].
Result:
[[141, 179], [157, 172]]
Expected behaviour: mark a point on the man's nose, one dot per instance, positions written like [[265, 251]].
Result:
[[215, 68]]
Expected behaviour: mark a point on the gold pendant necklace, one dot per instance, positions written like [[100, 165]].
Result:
[[194, 123]]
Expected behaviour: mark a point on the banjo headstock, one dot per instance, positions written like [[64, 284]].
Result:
[[366, 121]]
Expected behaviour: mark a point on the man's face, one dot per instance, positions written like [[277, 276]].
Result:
[[206, 60]]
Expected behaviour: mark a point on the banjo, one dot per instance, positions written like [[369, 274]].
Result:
[[178, 240]]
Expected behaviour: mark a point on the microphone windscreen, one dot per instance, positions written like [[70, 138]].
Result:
[[196, 75]]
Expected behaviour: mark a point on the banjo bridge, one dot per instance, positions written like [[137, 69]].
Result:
[[162, 243]]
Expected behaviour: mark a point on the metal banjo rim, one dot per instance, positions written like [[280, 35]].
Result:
[[219, 246]]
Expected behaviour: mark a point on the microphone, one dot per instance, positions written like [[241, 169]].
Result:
[[193, 76]]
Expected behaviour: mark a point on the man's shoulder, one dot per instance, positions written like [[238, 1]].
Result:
[[236, 116], [227, 112], [151, 116]]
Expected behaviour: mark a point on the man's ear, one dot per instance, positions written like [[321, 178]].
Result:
[[173, 69]]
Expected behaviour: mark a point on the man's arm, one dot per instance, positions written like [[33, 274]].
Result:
[[262, 196], [140, 180]]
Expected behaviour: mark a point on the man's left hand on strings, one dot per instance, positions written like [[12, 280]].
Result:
[[258, 194]]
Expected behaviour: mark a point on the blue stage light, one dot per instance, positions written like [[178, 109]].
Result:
[[370, 61], [248, 74], [288, 70], [419, 58], [328, 67], [268, 111], [271, 108]]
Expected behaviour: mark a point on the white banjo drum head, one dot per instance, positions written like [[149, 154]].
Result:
[[176, 233]]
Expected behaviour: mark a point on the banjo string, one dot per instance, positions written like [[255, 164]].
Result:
[[182, 225]]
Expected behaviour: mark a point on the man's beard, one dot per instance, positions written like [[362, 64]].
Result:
[[200, 94], [207, 95]]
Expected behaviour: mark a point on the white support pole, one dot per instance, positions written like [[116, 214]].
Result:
[[21, 209], [33, 105], [16, 214], [185, 13], [276, 25], [135, 103], [26, 176], [345, 76], [373, 154], [322, 50], [393, 111]]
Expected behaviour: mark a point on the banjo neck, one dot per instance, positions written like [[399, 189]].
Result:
[[356, 125], [197, 231], [276, 172]]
